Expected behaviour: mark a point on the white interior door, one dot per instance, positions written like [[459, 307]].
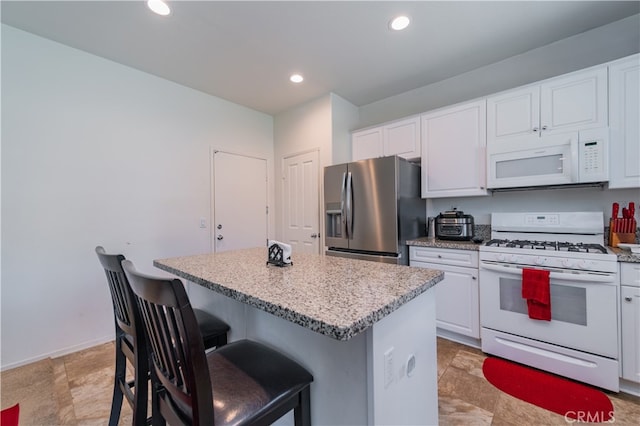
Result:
[[239, 202], [300, 202]]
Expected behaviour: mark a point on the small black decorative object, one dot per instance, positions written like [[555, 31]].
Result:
[[277, 256]]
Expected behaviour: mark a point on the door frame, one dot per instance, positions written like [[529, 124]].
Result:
[[212, 191], [320, 193]]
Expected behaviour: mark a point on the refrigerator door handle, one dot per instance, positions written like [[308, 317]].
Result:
[[349, 206], [343, 198]]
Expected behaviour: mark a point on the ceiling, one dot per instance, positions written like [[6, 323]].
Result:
[[245, 51]]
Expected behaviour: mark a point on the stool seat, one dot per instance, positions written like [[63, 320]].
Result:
[[213, 329], [250, 381]]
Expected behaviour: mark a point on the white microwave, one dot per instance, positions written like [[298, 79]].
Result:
[[561, 159]]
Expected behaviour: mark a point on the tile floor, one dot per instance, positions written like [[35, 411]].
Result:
[[76, 390]]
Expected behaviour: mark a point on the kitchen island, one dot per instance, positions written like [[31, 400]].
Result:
[[365, 330]]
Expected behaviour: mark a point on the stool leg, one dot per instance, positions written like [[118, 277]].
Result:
[[302, 412], [141, 396], [120, 377]]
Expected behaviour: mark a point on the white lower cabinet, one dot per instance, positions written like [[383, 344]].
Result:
[[457, 297], [630, 320]]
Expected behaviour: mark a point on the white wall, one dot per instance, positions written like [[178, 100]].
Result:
[[298, 130], [597, 46], [323, 124], [546, 200], [98, 153], [345, 117], [593, 47]]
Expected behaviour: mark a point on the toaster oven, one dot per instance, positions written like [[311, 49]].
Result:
[[454, 225]]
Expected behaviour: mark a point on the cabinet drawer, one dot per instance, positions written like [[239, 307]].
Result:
[[630, 274], [466, 258]]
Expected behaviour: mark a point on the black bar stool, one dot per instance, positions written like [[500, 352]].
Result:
[[243, 382], [130, 341]]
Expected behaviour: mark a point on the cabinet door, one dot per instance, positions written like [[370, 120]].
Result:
[[366, 144], [457, 299], [630, 333], [454, 151], [457, 295], [574, 102], [402, 138], [624, 110], [513, 114]]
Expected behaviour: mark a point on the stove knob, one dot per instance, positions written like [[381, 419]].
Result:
[[540, 260], [582, 264], [501, 257], [567, 263], [514, 258]]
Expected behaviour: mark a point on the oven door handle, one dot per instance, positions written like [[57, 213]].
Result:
[[581, 277]]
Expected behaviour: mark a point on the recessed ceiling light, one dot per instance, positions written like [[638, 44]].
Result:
[[159, 7], [296, 78], [399, 23]]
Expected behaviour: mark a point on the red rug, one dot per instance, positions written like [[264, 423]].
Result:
[[9, 416], [570, 399]]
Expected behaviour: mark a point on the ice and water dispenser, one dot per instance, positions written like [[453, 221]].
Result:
[[333, 225]]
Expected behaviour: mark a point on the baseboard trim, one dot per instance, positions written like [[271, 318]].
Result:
[[458, 338], [59, 353]]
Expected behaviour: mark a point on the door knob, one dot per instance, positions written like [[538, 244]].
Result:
[[219, 237], [315, 235]]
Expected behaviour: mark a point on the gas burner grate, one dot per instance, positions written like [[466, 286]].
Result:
[[548, 245]]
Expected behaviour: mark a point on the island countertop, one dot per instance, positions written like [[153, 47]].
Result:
[[334, 296]]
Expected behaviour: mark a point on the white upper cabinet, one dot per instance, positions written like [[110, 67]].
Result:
[[513, 114], [400, 138], [571, 102], [366, 144], [453, 151], [624, 123]]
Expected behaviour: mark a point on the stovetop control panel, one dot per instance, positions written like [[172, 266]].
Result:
[[542, 219]]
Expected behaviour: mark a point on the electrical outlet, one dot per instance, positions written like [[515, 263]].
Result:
[[388, 367]]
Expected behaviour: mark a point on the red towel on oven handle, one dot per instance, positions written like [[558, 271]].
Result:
[[536, 289]]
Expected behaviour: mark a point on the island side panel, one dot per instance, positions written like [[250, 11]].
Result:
[[339, 368], [229, 310], [404, 392]]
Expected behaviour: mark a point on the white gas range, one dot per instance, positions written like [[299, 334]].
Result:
[[580, 340]]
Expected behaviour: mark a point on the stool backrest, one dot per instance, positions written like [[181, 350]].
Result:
[[124, 304], [177, 349]]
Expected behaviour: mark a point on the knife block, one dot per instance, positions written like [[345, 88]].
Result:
[[616, 238]]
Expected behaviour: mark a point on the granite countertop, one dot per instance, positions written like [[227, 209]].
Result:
[[334, 296], [448, 244], [623, 255]]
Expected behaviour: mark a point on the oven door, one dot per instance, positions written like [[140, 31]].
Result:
[[583, 308]]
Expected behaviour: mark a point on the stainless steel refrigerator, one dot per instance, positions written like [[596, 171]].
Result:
[[372, 207]]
